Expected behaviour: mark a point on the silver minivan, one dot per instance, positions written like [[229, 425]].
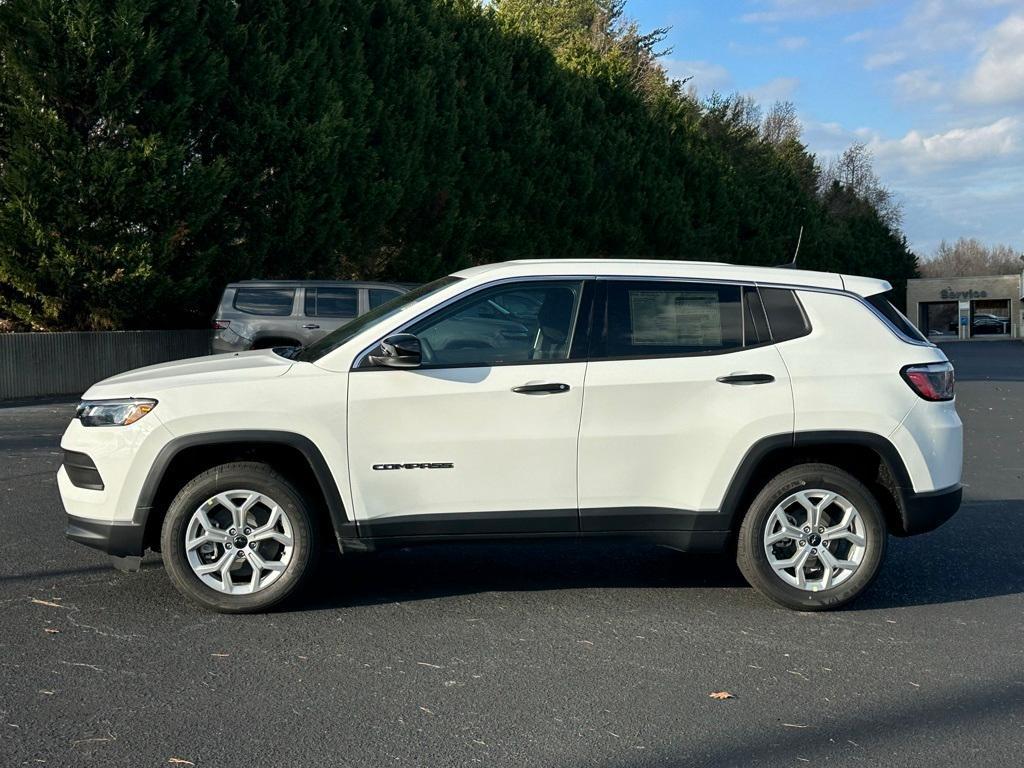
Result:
[[257, 314]]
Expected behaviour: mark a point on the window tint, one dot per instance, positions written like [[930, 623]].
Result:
[[332, 302], [265, 301], [514, 323], [650, 318], [786, 317], [379, 296], [894, 316]]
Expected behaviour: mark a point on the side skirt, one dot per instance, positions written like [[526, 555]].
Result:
[[512, 529]]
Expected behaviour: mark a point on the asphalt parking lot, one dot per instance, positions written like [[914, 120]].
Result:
[[524, 655]]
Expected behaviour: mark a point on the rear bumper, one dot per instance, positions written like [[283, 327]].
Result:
[[120, 539], [923, 512]]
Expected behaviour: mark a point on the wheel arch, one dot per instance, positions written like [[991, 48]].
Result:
[[184, 457], [869, 457]]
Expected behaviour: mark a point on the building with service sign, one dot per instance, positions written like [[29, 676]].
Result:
[[967, 307]]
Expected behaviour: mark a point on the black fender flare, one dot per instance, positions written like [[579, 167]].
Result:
[[343, 526], [890, 456]]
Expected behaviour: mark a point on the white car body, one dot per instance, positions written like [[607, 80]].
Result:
[[656, 445]]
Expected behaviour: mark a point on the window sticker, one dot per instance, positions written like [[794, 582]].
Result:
[[675, 318]]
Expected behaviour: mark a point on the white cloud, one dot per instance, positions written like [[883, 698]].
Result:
[[793, 43], [919, 85], [963, 181], [779, 10], [779, 89], [884, 59], [705, 76], [998, 77], [860, 37], [917, 152]]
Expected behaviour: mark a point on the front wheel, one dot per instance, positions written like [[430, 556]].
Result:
[[238, 538], [813, 539]]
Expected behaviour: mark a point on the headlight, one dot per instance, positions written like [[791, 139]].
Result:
[[113, 413]]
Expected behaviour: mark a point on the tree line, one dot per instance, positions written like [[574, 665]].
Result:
[[153, 150]]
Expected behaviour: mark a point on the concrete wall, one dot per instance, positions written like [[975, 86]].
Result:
[[42, 364], [930, 289]]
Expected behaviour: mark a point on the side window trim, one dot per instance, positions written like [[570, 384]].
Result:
[[755, 312], [577, 343]]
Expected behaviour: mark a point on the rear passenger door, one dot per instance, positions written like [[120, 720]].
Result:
[[682, 380], [326, 308]]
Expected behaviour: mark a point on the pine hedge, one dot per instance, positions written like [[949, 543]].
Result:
[[152, 150]]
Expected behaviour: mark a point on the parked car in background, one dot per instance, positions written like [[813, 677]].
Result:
[[989, 324], [262, 314]]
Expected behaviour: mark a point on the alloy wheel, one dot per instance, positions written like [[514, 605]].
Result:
[[815, 539], [239, 542]]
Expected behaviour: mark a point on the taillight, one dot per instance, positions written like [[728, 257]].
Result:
[[932, 381], [220, 325]]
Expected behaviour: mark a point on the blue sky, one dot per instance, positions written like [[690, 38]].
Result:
[[934, 87]]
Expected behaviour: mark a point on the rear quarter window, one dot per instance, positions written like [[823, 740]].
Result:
[[265, 301], [786, 318], [894, 317]]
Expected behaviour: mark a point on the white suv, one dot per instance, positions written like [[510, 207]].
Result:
[[793, 417]]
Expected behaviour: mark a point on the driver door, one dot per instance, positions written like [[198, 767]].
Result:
[[482, 437]]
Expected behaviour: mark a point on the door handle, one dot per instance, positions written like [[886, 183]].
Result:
[[746, 378], [311, 326], [540, 389]]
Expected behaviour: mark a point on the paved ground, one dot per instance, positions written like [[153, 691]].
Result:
[[553, 655]]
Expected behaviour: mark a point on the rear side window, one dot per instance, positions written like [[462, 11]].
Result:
[[655, 318], [894, 317], [380, 296], [332, 302], [786, 318], [265, 301]]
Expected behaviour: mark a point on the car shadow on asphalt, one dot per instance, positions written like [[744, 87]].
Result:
[[967, 559], [446, 570], [71, 573], [866, 733]]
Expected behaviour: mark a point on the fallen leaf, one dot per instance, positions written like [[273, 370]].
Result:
[[721, 695], [47, 603]]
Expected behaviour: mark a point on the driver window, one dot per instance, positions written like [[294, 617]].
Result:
[[513, 323]]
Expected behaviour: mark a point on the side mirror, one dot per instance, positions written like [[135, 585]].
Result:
[[402, 350]]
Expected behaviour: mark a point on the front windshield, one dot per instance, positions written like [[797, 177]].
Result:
[[335, 339]]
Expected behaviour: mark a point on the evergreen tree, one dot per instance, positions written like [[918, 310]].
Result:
[[151, 151]]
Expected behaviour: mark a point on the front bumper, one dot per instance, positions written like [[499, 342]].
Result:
[[923, 512], [120, 539]]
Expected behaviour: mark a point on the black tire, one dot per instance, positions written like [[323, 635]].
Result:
[[239, 475], [753, 561]]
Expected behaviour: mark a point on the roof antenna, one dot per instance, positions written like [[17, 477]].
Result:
[[796, 252]]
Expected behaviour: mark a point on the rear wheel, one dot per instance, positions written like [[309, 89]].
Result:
[[238, 538], [813, 539]]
